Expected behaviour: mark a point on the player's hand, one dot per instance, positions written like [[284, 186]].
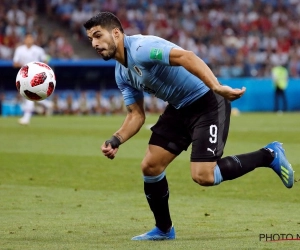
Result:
[[108, 151], [230, 93], [110, 147]]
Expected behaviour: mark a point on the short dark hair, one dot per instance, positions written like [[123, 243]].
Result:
[[106, 20]]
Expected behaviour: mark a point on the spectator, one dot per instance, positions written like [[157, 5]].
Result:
[[280, 81], [16, 15], [69, 107], [110, 5], [64, 11], [57, 105], [78, 17], [84, 106], [6, 51], [294, 66], [65, 49], [100, 104]]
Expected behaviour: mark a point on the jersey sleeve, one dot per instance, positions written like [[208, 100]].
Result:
[[16, 57], [153, 51], [130, 94], [43, 56]]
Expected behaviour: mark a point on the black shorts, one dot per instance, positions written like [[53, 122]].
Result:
[[204, 123]]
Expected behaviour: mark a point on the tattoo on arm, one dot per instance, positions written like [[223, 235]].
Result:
[[119, 137], [129, 109]]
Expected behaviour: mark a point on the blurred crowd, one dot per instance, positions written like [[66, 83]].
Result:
[[69, 102], [20, 16], [234, 37]]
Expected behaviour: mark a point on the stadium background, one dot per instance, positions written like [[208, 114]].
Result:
[[58, 191], [240, 40]]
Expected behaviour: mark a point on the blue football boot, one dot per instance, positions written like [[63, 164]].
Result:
[[156, 234], [280, 164]]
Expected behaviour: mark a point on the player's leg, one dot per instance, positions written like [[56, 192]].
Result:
[[272, 155], [284, 100], [235, 166], [165, 144], [277, 100], [230, 167], [209, 138], [28, 108], [157, 192], [156, 185], [48, 106]]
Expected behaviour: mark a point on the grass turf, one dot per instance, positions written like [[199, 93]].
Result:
[[58, 192]]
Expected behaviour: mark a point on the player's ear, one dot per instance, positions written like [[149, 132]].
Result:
[[116, 33]]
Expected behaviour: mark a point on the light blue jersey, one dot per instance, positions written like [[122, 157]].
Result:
[[149, 70]]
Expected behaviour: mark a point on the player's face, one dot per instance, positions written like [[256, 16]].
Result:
[[103, 42], [29, 40]]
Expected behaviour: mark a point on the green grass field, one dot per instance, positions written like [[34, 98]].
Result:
[[58, 192]]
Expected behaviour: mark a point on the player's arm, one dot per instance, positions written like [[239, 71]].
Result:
[[16, 59], [134, 120], [195, 65], [17, 65]]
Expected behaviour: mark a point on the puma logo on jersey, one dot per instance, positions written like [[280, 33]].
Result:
[[210, 150], [138, 47]]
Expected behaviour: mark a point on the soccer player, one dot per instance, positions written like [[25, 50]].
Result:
[[198, 113], [25, 53]]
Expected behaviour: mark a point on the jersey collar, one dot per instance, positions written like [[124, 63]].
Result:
[[125, 51]]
